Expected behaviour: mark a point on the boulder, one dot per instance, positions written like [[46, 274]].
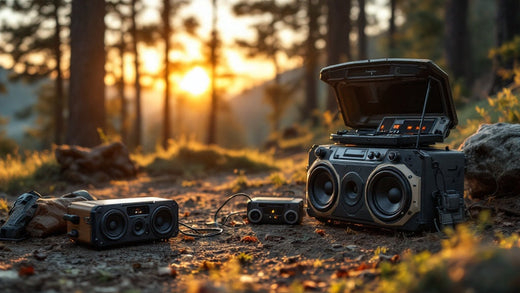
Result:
[[99, 164], [493, 160]]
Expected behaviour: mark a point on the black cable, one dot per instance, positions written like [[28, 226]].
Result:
[[209, 232], [227, 200], [201, 232]]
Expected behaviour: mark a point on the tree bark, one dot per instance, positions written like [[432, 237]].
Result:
[[87, 72], [166, 35], [338, 39], [58, 100], [392, 28], [137, 82], [456, 47], [362, 37], [311, 62]]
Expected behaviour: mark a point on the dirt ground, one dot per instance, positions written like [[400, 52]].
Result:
[[311, 256]]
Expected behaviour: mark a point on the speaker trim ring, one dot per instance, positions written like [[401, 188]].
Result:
[[414, 183], [167, 232], [334, 201], [252, 220], [105, 233], [296, 219], [360, 185]]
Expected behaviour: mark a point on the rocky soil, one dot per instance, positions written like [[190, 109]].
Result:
[[312, 256]]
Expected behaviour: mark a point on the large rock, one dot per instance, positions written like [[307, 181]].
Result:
[[493, 160], [99, 164]]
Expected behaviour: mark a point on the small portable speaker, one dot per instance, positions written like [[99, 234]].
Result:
[[275, 210], [112, 222]]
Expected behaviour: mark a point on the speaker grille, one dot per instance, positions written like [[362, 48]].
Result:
[[322, 188], [114, 224], [162, 221], [388, 194], [352, 188]]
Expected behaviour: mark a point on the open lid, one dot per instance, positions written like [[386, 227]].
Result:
[[369, 90]]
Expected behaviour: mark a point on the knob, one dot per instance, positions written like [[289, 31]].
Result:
[[393, 156], [378, 155], [74, 219], [320, 152], [371, 155], [73, 233]]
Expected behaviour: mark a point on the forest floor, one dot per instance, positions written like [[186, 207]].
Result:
[[311, 256]]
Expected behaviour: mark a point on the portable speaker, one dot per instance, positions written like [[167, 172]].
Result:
[[404, 189], [275, 210], [103, 223]]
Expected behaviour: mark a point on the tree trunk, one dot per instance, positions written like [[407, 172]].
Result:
[[508, 25], [311, 62], [58, 102], [137, 82], [456, 47], [212, 121], [87, 72], [121, 90], [362, 37], [392, 29], [338, 39], [166, 114]]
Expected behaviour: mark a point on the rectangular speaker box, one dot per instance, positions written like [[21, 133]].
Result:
[[403, 189], [275, 210], [113, 222]]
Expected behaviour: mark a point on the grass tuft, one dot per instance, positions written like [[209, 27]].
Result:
[[194, 159], [32, 171]]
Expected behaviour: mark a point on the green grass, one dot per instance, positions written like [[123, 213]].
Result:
[[32, 171], [189, 159]]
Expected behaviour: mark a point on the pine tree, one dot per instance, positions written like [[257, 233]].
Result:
[[35, 51], [268, 43], [87, 61]]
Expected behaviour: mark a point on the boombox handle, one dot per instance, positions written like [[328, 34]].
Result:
[[423, 113]]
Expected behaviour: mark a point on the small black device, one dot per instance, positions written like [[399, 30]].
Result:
[[113, 222], [385, 170], [275, 210]]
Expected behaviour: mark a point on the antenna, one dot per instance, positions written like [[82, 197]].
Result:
[[423, 112]]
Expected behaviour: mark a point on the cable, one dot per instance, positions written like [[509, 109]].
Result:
[[217, 230], [201, 232], [227, 200]]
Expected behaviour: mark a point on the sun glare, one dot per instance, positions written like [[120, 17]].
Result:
[[195, 82], [150, 60]]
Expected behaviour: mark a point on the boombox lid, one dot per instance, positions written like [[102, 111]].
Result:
[[369, 90]]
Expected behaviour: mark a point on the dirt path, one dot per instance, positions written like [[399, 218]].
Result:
[[310, 256]]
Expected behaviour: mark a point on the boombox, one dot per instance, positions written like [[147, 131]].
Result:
[[111, 222], [275, 210], [385, 170]]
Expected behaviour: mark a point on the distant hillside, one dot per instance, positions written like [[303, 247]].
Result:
[[19, 97], [252, 112]]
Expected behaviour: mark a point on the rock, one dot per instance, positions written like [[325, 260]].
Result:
[[99, 164], [493, 160]]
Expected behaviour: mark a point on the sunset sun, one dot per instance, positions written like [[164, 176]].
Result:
[[195, 82]]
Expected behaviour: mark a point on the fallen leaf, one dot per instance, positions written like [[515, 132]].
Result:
[[342, 273], [26, 271], [249, 239], [320, 232], [188, 238]]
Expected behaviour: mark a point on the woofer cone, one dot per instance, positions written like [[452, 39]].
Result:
[[254, 216], [322, 188], [162, 221], [114, 224], [291, 217], [352, 188], [388, 194], [139, 227]]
